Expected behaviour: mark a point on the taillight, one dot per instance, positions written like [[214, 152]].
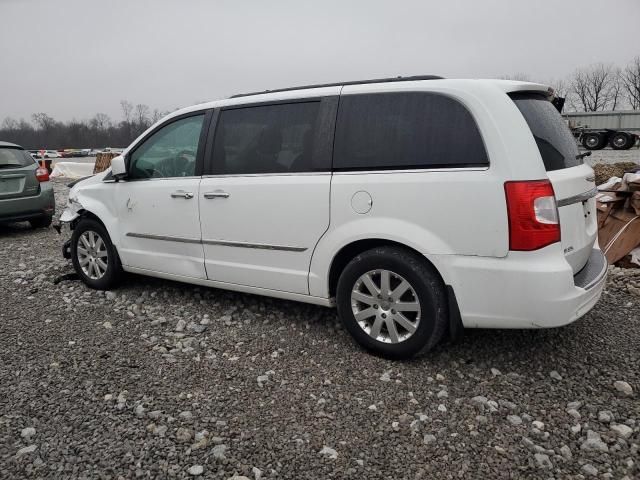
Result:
[[533, 214], [42, 174]]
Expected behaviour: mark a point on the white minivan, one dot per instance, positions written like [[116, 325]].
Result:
[[416, 205]]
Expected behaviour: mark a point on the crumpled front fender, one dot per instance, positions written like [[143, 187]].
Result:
[[68, 216], [74, 210]]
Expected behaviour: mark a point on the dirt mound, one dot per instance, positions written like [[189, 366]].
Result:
[[605, 171]]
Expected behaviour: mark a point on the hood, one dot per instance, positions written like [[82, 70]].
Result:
[[85, 182]]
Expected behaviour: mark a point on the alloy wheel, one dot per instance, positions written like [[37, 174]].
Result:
[[386, 306], [92, 255]]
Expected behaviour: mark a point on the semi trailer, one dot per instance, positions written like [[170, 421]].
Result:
[[595, 130]]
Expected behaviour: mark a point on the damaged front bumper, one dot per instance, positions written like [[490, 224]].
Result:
[[72, 212]]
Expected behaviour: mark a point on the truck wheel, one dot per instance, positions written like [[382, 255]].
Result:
[[593, 141], [621, 141], [392, 302]]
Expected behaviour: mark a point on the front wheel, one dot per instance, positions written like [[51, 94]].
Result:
[[94, 257], [593, 141], [392, 302]]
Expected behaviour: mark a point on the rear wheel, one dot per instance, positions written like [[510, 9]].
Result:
[[621, 141], [41, 222], [392, 302], [593, 141], [94, 257]]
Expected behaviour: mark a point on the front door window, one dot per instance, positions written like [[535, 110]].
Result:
[[168, 153]]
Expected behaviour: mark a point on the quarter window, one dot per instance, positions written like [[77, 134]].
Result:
[[169, 152], [266, 139], [552, 135], [405, 130]]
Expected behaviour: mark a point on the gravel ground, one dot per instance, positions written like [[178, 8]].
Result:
[[608, 155], [165, 380]]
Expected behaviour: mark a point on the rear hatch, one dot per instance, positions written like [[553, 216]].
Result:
[[573, 181], [17, 174]]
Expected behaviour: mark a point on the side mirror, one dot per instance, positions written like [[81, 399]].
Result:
[[118, 167]]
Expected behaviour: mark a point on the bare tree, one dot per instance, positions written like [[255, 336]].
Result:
[[617, 89], [142, 115], [43, 121], [630, 78], [523, 77], [156, 115], [9, 124], [98, 131], [127, 110], [101, 121], [594, 88]]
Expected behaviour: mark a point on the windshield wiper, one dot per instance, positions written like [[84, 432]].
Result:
[[11, 165], [580, 156]]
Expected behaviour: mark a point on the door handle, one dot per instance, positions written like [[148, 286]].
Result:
[[181, 194], [216, 194]]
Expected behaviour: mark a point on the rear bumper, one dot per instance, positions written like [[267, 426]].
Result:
[[18, 209], [524, 289]]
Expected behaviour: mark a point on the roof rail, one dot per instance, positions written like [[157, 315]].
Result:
[[338, 84]]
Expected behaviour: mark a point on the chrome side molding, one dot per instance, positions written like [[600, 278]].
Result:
[[165, 238], [224, 243], [264, 246], [583, 197]]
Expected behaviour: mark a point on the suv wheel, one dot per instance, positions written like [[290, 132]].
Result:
[[392, 302], [94, 257]]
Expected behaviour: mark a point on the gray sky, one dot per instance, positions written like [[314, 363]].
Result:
[[73, 58]]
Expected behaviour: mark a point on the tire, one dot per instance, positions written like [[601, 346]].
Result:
[[372, 331], [593, 141], [619, 141], [93, 273], [41, 222]]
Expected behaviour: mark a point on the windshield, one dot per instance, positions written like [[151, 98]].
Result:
[[557, 146], [14, 157]]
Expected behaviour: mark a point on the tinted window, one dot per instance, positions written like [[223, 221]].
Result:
[[557, 146], [169, 152], [15, 157], [266, 139], [405, 130]]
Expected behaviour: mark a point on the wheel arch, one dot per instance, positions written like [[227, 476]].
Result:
[[89, 213], [95, 208], [340, 260], [352, 249], [82, 214]]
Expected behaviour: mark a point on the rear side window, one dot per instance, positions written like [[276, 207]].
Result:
[[15, 157], [404, 131], [266, 139], [557, 146]]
